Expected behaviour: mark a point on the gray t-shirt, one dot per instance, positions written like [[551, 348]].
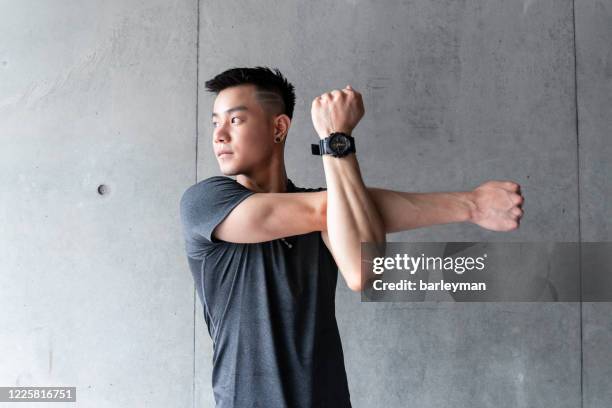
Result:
[[269, 308]]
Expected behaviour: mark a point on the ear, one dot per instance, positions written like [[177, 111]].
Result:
[[281, 125]]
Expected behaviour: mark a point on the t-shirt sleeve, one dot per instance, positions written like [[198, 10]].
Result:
[[312, 190], [205, 205]]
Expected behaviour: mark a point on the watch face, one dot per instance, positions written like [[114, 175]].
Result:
[[339, 144]]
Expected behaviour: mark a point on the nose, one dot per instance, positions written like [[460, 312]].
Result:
[[220, 134]]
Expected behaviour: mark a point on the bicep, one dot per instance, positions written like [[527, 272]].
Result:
[[267, 216]]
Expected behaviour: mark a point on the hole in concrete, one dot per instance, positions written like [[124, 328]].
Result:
[[103, 189]]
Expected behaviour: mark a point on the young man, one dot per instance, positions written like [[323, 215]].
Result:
[[265, 254]]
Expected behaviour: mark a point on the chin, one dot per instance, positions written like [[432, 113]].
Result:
[[228, 171]]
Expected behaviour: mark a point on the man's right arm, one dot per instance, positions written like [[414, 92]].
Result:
[[267, 216]]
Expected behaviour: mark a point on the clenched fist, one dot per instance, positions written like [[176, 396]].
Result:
[[497, 205], [337, 111]]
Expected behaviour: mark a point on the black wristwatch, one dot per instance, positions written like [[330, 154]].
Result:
[[337, 144]]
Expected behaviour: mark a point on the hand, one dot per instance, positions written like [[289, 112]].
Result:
[[337, 111], [496, 205]]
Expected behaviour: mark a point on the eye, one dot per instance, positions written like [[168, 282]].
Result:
[[214, 124]]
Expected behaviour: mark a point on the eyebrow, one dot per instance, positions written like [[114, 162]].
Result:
[[235, 108]]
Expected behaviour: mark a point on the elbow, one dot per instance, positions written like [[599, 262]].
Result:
[[355, 287], [355, 284]]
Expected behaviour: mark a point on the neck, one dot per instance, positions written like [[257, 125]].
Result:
[[271, 178]]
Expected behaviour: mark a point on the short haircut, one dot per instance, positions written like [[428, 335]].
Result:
[[273, 91]]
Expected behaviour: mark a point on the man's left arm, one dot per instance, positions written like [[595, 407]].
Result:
[[351, 215], [356, 213]]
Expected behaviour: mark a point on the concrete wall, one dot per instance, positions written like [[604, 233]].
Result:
[[95, 290], [594, 85]]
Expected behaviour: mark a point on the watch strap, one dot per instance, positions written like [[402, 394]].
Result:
[[323, 148]]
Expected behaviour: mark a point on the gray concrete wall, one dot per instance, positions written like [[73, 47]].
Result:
[[594, 96], [95, 290]]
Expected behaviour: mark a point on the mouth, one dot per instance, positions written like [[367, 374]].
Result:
[[224, 154]]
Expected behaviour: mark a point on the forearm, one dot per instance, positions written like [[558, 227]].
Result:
[[352, 215], [403, 211]]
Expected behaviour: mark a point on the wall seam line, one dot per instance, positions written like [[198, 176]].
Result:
[[197, 110], [578, 199]]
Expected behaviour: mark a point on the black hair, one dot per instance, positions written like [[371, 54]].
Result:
[[274, 92]]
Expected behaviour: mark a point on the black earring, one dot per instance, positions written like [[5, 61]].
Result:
[[277, 139]]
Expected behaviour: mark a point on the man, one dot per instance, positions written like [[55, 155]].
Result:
[[265, 254]]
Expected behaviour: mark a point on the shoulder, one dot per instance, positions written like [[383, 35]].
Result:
[[209, 185], [211, 182], [205, 204]]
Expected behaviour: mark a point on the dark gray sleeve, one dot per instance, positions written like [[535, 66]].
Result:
[[312, 190], [205, 204]]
